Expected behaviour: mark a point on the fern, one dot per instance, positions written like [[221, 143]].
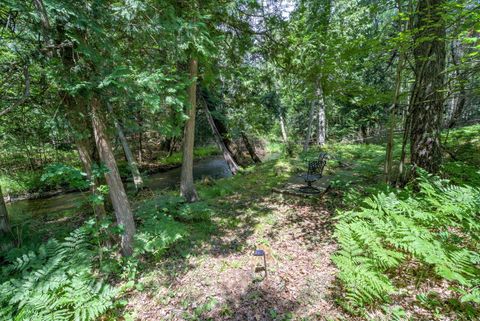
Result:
[[56, 282], [437, 228]]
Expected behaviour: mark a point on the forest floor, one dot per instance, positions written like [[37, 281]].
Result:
[[210, 273], [198, 262], [217, 280]]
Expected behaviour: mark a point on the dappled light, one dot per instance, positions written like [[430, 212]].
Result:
[[243, 160]]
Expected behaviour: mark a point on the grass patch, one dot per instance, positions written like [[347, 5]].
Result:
[[199, 152]]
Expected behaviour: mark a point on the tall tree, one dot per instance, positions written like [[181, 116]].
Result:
[[187, 187], [227, 156], [308, 136], [132, 163], [427, 99], [322, 121], [394, 109], [117, 193]]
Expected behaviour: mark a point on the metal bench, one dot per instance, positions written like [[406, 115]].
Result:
[[314, 173]]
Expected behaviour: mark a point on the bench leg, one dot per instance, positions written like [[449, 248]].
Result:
[[309, 189]]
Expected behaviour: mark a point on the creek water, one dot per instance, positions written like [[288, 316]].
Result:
[[214, 167]]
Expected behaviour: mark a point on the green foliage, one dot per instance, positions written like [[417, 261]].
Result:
[[437, 228], [460, 173], [56, 282], [23, 182], [199, 152], [159, 228], [61, 174]]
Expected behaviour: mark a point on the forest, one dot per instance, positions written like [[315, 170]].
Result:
[[239, 160]]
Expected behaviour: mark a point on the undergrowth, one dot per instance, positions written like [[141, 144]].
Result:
[[429, 235], [55, 282], [81, 278]]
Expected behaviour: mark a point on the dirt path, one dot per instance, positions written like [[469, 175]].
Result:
[[218, 280]]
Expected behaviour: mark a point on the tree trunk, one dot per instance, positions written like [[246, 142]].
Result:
[[218, 139], [4, 221], [219, 124], [85, 152], [85, 144], [118, 196], [173, 142], [460, 97], [426, 103], [322, 128], [283, 128], [137, 178], [223, 132], [140, 137], [250, 149], [392, 121], [187, 188], [306, 144], [364, 133]]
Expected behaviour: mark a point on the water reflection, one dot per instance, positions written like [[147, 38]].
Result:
[[49, 208]]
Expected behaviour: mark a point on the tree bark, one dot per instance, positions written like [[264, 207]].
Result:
[[84, 142], [117, 193], [283, 128], [187, 188], [460, 97], [219, 124], [132, 163], [322, 129], [85, 152], [171, 149], [218, 139], [426, 103], [306, 144], [40, 7], [394, 109], [140, 137], [4, 221], [392, 121], [250, 149]]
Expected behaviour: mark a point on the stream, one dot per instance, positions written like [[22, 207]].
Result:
[[214, 167]]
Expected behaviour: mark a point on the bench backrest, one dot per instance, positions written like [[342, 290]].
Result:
[[317, 166]]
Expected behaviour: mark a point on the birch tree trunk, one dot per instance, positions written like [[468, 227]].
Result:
[[427, 97], [283, 128], [322, 128], [187, 188], [460, 97], [227, 156], [4, 221], [132, 163], [117, 193], [306, 144]]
